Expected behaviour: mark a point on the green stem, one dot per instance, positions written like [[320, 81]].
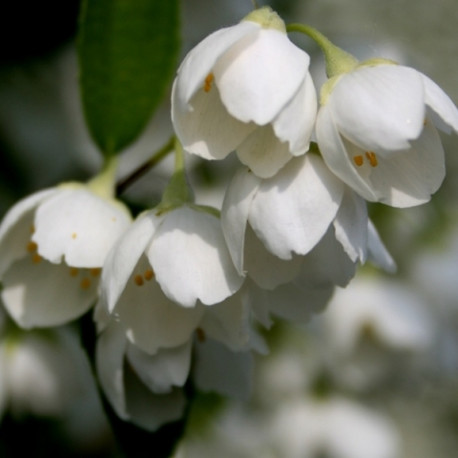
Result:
[[177, 191], [338, 61], [103, 184], [152, 162]]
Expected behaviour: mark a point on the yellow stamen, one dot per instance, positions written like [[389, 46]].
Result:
[[358, 160], [148, 275], [372, 158], [74, 235], [32, 247], [138, 279], [201, 337], [74, 271], [36, 258], [85, 283], [32, 229], [95, 272], [208, 82]]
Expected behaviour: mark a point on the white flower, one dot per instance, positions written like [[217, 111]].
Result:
[[52, 247], [183, 249], [246, 88], [377, 132], [143, 355], [290, 214], [142, 388]]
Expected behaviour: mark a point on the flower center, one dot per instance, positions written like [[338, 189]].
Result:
[[147, 275], [370, 156], [208, 82]]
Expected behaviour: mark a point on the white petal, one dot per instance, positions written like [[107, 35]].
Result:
[[149, 410], [295, 122], [220, 370], [259, 75], [228, 323], [150, 319], [79, 226], [292, 211], [299, 301], [109, 360], [351, 225], [408, 178], [17, 227], [267, 270], [379, 108], [191, 260], [160, 372], [234, 213], [377, 252], [200, 60], [337, 158], [263, 152], [327, 264], [444, 111], [207, 129], [124, 256], [45, 294]]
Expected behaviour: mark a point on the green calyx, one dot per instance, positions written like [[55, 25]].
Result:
[[266, 18]]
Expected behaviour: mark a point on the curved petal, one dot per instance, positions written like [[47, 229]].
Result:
[[292, 211], [327, 264], [296, 121], [109, 361], [37, 293], [149, 410], [17, 227], [124, 256], [234, 213], [150, 319], [207, 129], [267, 270], [259, 75], [78, 226], [160, 372], [263, 152], [229, 323], [408, 178], [351, 225], [377, 252], [200, 61], [336, 156], [445, 113], [191, 260], [387, 107]]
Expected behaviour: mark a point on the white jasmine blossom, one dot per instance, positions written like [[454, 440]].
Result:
[[377, 131], [186, 254], [52, 247], [246, 88]]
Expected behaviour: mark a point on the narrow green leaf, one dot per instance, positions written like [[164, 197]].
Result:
[[127, 53]]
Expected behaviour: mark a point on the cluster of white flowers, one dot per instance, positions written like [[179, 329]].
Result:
[[182, 291]]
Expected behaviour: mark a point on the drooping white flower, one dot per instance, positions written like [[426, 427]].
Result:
[[377, 131], [246, 88], [290, 214], [143, 355], [183, 249], [52, 247]]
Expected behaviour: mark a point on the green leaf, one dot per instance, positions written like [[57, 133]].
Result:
[[127, 53]]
